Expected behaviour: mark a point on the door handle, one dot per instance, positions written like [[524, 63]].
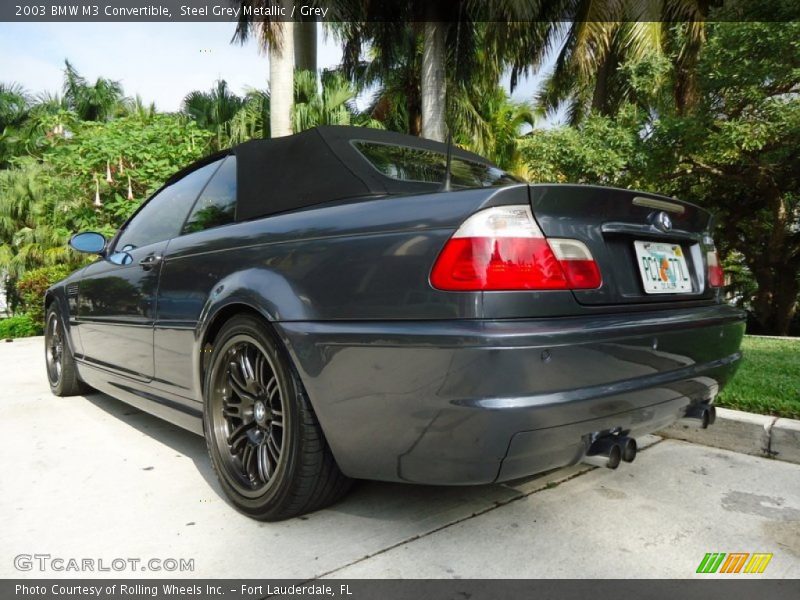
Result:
[[148, 262]]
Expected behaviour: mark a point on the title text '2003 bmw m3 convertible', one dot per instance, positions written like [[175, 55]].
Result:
[[323, 307]]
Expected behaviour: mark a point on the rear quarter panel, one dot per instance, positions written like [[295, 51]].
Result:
[[360, 260]]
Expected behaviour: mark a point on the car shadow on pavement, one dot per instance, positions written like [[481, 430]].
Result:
[[389, 502], [178, 439]]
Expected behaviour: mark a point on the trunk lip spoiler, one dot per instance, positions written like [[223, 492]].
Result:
[[637, 193]]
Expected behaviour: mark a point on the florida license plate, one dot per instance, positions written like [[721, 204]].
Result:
[[663, 268]]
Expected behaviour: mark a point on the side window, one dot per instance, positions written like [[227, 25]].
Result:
[[161, 218], [217, 204]]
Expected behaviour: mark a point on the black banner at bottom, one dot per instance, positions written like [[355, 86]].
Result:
[[407, 589]]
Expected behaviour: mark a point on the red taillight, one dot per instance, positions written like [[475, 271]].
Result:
[[716, 276], [502, 248], [578, 264], [497, 264]]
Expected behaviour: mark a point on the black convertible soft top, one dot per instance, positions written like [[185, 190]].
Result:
[[320, 165]]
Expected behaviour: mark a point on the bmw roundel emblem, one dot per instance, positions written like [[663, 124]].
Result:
[[663, 222]]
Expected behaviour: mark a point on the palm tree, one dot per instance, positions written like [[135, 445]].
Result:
[[15, 105], [489, 123], [281, 76], [332, 105], [49, 103], [46, 114], [29, 219], [252, 121], [399, 37], [393, 70], [232, 118], [434, 86], [236, 119], [604, 39], [429, 49], [213, 110], [312, 108], [25, 120], [305, 46], [92, 102], [136, 107], [290, 46]]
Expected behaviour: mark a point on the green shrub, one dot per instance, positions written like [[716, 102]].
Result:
[[32, 286], [19, 326]]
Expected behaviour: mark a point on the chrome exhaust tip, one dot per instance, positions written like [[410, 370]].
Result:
[[604, 452], [700, 416]]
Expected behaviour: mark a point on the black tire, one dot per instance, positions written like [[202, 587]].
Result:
[[62, 374], [265, 444]]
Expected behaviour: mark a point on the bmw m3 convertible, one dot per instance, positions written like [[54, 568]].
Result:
[[351, 303]]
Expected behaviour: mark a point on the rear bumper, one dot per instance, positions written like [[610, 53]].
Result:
[[471, 402]]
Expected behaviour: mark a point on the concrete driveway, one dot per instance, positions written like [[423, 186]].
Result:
[[90, 477]]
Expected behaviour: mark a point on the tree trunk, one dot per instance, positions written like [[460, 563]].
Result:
[[432, 85], [411, 78], [281, 80], [785, 304], [776, 266], [413, 107], [414, 123], [600, 94], [305, 45], [686, 91], [775, 303]]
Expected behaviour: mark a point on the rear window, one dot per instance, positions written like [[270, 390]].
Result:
[[416, 164]]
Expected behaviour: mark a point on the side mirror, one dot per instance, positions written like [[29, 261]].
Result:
[[89, 242]]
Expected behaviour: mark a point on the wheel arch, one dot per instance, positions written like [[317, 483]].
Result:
[[216, 321], [49, 298], [325, 481], [53, 297], [258, 291]]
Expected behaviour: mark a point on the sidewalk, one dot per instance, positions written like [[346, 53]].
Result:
[[94, 478]]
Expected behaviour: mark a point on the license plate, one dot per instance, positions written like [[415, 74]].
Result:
[[663, 268]]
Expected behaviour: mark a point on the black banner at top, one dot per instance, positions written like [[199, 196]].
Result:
[[518, 11]]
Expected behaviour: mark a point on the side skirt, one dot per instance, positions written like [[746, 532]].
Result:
[[180, 411]]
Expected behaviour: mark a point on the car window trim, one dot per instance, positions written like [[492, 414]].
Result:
[[354, 144], [222, 161], [112, 246]]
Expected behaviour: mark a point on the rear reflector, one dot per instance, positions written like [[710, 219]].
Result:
[[502, 248], [716, 276]]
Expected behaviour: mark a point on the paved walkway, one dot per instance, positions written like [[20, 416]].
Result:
[[94, 478]]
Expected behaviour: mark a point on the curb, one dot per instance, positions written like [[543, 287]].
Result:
[[747, 433]]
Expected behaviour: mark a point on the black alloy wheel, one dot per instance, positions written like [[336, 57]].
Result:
[[54, 348], [264, 440], [247, 415], [62, 374]]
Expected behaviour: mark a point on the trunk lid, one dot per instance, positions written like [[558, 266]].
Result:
[[610, 221]]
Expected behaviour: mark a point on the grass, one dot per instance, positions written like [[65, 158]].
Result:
[[768, 380]]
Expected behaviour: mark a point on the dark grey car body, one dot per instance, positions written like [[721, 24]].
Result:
[[411, 383]]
